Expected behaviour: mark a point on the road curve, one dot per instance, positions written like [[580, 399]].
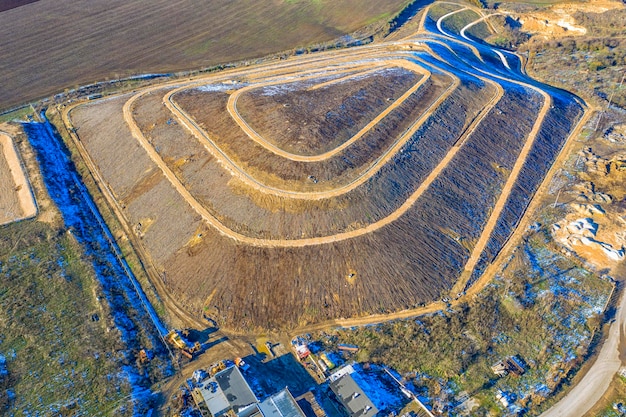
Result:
[[209, 218], [252, 182], [445, 16], [475, 22]]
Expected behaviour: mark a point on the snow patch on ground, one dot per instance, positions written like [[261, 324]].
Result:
[[210, 88], [83, 220]]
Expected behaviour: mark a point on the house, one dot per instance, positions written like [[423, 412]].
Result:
[[225, 393], [500, 369], [228, 394], [352, 397], [512, 364], [516, 365]]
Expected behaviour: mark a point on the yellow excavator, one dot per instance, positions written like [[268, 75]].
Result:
[[188, 349]]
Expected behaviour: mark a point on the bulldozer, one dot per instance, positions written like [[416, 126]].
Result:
[[186, 348]]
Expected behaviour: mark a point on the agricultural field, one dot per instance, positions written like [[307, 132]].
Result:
[[50, 45], [339, 184]]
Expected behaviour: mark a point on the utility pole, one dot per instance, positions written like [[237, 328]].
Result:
[[557, 199], [610, 100]]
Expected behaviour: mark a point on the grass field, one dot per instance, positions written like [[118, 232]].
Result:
[[62, 352], [51, 45], [58, 357]]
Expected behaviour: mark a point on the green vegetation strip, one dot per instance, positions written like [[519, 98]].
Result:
[[61, 360]]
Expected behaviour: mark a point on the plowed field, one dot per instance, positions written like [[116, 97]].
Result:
[[50, 45]]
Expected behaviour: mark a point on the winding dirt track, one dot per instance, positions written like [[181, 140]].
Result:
[[326, 239], [365, 175], [252, 134], [563, 409], [314, 65], [489, 227], [268, 72]]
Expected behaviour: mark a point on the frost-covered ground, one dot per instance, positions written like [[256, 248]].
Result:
[[134, 317]]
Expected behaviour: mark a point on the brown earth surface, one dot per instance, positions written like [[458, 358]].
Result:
[[559, 21], [192, 200], [16, 198], [283, 218], [304, 118], [336, 171], [50, 45]]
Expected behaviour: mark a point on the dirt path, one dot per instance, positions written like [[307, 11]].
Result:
[[504, 195], [310, 241], [266, 71], [600, 372], [18, 183], [487, 276], [252, 134], [461, 284], [485, 19], [252, 182], [372, 69], [444, 17], [492, 268]]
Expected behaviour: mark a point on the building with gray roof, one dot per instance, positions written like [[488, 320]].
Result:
[[281, 405], [228, 394], [352, 397], [224, 393]]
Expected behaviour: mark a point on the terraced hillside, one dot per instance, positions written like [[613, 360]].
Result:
[[338, 184]]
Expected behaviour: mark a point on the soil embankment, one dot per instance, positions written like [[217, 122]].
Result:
[[16, 198]]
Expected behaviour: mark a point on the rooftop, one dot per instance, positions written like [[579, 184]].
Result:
[[281, 405], [225, 391], [352, 397]]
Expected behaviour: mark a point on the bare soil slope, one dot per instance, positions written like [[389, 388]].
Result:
[[316, 119], [16, 199], [256, 238]]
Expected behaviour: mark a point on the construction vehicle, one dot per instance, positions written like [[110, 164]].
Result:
[[242, 364], [145, 356], [217, 367], [188, 349]]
